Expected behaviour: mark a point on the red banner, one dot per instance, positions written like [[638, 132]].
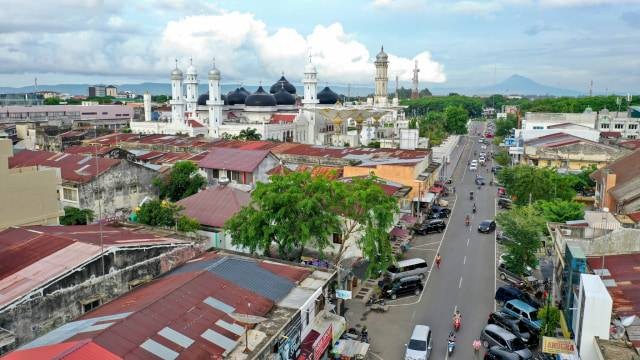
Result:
[[322, 343]]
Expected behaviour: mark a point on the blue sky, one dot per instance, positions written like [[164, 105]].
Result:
[[458, 43]]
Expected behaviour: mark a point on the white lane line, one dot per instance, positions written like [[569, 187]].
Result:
[[468, 242], [495, 255], [465, 260], [413, 315], [460, 283]]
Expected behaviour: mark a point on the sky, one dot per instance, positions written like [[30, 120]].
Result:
[[457, 43]]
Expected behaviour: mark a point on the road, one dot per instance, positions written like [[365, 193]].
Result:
[[465, 281]]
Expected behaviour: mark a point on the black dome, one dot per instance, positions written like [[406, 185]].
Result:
[[202, 99], [243, 90], [327, 96], [284, 98], [282, 83], [260, 98], [236, 97]]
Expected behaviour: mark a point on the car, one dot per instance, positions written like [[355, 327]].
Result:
[[410, 285], [487, 226], [506, 293], [494, 335], [482, 154], [481, 141], [419, 346], [496, 168], [429, 226], [480, 180], [504, 203], [437, 208], [483, 147], [473, 167], [523, 311], [500, 353], [515, 326], [482, 160], [405, 268], [488, 135], [437, 215], [502, 261]]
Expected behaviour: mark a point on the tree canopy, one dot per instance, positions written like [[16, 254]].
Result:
[[52, 101], [524, 225], [456, 118], [184, 180], [75, 216], [583, 180], [504, 126], [165, 214], [525, 182], [560, 210]]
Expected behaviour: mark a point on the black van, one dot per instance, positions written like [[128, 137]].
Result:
[[504, 203], [410, 285], [506, 293]]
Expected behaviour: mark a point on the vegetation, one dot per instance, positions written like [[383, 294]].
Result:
[[504, 126], [166, 214], [101, 99], [524, 225], [52, 101], [560, 210], [245, 134], [374, 144], [529, 184], [184, 180], [422, 106], [159, 98], [550, 319], [75, 216], [503, 158], [583, 180], [297, 210]]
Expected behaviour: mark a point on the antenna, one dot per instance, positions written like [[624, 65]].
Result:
[[591, 88], [415, 93]]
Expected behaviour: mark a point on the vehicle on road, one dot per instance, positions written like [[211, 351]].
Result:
[[501, 353], [494, 335], [429, 226], [480, 180], [410, 285], [483, 147], [481, 141], [419, 346], [486, 226], [437, 215], [516, 326], [470, 195], [409, 267], [473, 167], [482, 161], [504, 203], [523, 311], [439, 208]]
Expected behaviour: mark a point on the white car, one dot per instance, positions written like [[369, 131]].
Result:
[[482, 161], [473, 167], [419, 346], [483, 147]]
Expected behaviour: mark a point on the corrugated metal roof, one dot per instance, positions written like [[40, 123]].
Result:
[[215, 205], [74, 350], [233, 159]]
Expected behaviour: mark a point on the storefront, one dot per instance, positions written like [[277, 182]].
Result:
[[326, 331]]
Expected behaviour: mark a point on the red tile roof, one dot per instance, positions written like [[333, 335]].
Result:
[[365, 156], [194, 124], [73, 350], [73, 167], [631, 144], [610, 134], [247, 145], [233, 159], [279, 170], [635, 216], [88, 149], [282, 118], [215, 205]]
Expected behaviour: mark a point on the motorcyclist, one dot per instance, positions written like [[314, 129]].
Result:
[[467, 219], [474, 208], [452, 337], [457, 315]]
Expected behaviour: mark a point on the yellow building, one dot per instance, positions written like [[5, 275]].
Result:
[[28, 195], [568, 152]]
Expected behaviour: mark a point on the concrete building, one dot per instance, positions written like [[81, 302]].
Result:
[[103, 116], [615, 350], [217, 306], [35, 189], [618, 185], [382, 78], [51, 275], [111, 91], [21, 99], [97, 91], [238, 166], [110, 187], [593, 315], [625, 123]]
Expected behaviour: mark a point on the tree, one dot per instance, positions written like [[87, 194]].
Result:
[[184, 180], [550, 318], [525, 183], [249, 134], [560, 210], [503, 158], [75, 216], [583, 180], [456, 119], [504, 126], [524, 225], [52, 101], [160, 98], [166, 214]]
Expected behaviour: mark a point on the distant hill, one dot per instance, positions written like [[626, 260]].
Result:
[[514, 85]]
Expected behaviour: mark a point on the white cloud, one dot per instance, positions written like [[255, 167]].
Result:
[[568, 3], [400, 4]]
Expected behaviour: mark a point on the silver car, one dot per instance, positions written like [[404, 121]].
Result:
[[419, 346], [494, 335]]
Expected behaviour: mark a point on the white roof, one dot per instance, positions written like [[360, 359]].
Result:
[[410, 262]]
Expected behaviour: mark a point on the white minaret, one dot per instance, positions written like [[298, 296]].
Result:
[[215, 102], [382, 65], [177, 100], [147, 106], [310, 99], [191, 83]]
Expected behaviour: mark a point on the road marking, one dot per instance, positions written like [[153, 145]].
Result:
[[495, 255], [460, 283], [468, 242], [413, 315], [464, 261]]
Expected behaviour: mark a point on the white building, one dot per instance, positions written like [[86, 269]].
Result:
[[593, 316], [382, 79], [622, 122]]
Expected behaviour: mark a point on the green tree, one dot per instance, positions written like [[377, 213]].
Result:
[[504, 126], [525, 183], [456, 118], [550, 318], [524, 225], [583, 180], [184, 180], [187, 224], [166, 214], [249, 134], [75, 216], [560, 210], [160, 98], [52, 101], [503, 158]]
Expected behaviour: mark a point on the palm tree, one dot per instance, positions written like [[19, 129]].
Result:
[[249, 134]]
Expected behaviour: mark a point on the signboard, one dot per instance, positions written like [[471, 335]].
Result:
[[551, 345], [322, 344], [343, 294]]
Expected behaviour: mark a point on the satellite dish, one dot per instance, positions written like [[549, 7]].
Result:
[[247, 319]]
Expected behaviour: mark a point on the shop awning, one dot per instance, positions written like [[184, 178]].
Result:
[[436, 189], [398, 232], [351, 348], [327, 329], [408, 219], [426, 198]]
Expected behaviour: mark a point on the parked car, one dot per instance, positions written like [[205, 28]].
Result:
[[496, 168], [494, 335], [482, 160], [524, 311], [500, 353], [437, 215], [429, 226], [515, 326], [409, 267], [410, 285], [507, 293], [441, 209], [487, 226], [473, 167], [507, 275], [419, 346], [504, 203], [480, 180]]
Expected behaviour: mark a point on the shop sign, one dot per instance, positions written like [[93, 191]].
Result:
[[552, 345], [322, 344], [343, 294]]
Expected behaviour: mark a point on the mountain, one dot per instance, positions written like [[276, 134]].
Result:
[[514, 85]]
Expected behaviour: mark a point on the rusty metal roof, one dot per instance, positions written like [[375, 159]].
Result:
[[72, 350], [624, 270], [215, 205], [233, 159]]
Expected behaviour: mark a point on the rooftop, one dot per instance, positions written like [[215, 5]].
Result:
[[358, 156], [73, 167], [215, 205], [617, 350], [625, 168], [561, 139], [233, 159]]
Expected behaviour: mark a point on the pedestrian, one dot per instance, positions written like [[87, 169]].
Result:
[[438, 260], [453, 188]]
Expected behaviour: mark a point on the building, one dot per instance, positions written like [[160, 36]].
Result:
[[615, 349], [51, 275], [568, 153], [103, 116], [35, 189], [624, 123], [382, 78], [111, 91], [217, 306], [618, 185], [97, 91], [212, 207], [239, 166], [541, 120], [108, 187], [593, 315], [21, 99]]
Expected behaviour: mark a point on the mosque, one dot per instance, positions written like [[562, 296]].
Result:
[[279, 113]]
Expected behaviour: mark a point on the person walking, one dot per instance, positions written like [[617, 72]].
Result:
[[438, 260]]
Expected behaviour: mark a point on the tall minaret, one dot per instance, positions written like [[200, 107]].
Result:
[[382, 80], [147, 106], [310, 99], [215, 102], [415, 93], [191, 83], [177, 101]]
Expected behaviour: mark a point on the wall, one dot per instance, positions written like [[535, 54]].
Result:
[[60, 305], [575, 156], [260, 173], [403, 174], [34, 190]]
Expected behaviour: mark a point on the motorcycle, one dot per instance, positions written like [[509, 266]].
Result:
[[474, 210], [457, 323], [374, 300], [451, 345]]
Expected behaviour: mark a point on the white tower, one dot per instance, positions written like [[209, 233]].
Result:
[[177, 100], [310, 99], [215, 102], [191, 83], [382, 80], [147, 106]]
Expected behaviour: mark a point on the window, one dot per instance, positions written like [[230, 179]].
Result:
[[88, 306], [235, 176], [70, 194], [133, 188], [337, 238], [538, 127], [632, 126], [604, 126], [618, 126]]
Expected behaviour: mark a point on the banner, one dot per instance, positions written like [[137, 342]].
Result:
[[552, 345], [343, 294]]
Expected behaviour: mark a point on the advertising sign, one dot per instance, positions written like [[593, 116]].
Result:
[[343, 294], [552, 345], [321, 344]]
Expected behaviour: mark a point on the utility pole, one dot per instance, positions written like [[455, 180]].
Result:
[[415, 93]]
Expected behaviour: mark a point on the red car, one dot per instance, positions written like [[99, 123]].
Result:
[[488, 135]]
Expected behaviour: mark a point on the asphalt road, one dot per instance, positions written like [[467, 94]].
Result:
[[466, 278]]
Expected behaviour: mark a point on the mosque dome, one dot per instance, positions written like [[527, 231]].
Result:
[[214, 74], [202, 99], [310, 68], [236, 97], [260, 98], [176, 74], [382, 56], [191, 70], [283, 97], [283, 82], [327, 96], [244, 91]]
